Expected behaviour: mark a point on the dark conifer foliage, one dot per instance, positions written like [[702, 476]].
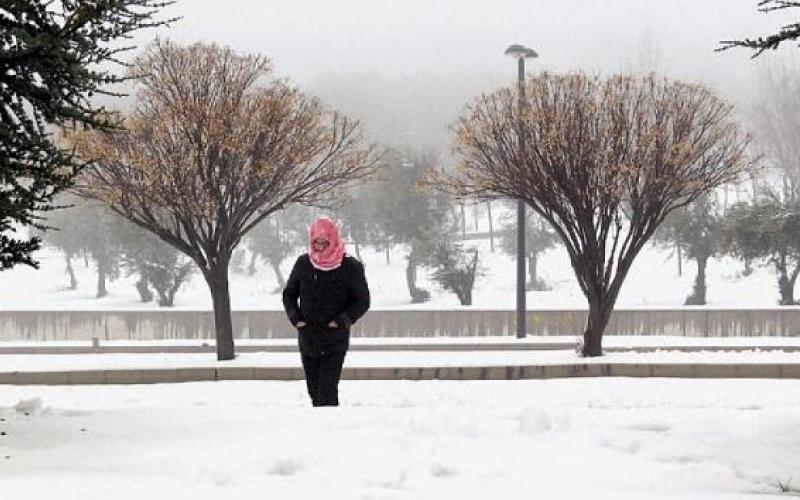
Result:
[[52, 56]]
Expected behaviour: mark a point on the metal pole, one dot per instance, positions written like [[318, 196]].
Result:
[[491, 226], [521, 217]]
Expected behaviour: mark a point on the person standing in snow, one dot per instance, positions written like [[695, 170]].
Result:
[[333, 294]]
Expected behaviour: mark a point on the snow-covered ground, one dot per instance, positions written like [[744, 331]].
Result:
[[614, 439], [652, 282]]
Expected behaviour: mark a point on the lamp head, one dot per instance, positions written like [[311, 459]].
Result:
[[518, 51]]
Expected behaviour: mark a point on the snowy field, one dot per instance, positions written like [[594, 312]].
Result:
[[652, 282], [560, 439]]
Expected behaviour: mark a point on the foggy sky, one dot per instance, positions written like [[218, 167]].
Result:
[[415, 57], [308, 38]]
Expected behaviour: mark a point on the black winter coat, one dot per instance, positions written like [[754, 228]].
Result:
[[340, 295]]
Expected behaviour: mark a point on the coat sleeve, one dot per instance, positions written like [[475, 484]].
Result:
[[292, 292], [359, 297]]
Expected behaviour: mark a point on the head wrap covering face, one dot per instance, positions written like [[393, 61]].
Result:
[[332, 256]]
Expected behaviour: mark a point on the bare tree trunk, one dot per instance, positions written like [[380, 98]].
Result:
[[463, 221], [411, 277], [276, 267], [599, 314], [680, 258], [418, 295], [786, 283], [475, 217], [170, 302], [748, 268], [358, 250], [387, 255], [167, 298], [533, 283], [142, 286], [464, 296], [251, 269], [73, 281], [793, 280], [217, 279], [491, 226], [698, 296], [101, 279]]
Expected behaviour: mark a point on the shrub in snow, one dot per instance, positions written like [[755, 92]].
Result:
[[454, 268]]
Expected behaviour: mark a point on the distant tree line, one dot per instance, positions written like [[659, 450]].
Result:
[[762, 231], [88, 232]]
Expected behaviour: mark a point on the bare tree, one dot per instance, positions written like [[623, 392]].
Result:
[[775, 117], [602, 160], [214, 146]]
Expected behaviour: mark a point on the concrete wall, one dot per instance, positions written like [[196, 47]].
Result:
[[171, 324], [175, 375]]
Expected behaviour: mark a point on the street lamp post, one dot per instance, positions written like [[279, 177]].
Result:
[[520, 53]]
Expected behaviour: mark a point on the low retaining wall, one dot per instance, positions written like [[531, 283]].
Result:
[[177, 375], [57, 349], [171, 324]]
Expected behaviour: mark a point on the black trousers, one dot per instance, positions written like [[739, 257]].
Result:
[[322, 352]]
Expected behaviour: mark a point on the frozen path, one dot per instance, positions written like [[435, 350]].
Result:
[[560, 439]]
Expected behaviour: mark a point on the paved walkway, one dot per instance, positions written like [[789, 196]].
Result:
[[516, 372], [59, 374]]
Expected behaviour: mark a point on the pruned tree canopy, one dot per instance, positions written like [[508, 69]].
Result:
[[216, 153], [602, 160], [215, 145]]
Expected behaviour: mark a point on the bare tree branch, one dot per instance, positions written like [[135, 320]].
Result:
[[761, 44]]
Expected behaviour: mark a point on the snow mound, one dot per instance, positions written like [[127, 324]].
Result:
[[534, 421], [285, 467], [440, 470], [32, 406]]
